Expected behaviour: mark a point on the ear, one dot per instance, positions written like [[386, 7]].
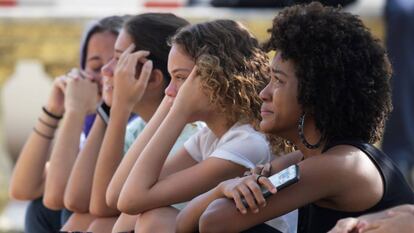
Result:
[[156, 80]]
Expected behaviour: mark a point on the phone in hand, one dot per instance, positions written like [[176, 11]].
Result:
[[103, 111], [281, 180]]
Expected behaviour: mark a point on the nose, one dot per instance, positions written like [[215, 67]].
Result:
[[171, 90], [108, 69], [264, 94]]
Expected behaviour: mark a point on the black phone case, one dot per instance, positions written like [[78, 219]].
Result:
[[103, 111]]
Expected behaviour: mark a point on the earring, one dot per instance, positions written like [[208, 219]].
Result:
[[302, 134]]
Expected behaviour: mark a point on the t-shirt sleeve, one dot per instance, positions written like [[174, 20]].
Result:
[[244, 148], [193, 145], [188, 131], [134, 128]]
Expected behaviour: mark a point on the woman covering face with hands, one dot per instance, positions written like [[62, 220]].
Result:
[[134, 82], [30, 173], [214, 82]]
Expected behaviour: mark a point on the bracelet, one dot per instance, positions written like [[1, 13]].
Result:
[[42, 134], [258, 177], [47, 124], [51, 114]]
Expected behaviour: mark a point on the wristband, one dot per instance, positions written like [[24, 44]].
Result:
[[56, 117], [47, 124], [42, 134]]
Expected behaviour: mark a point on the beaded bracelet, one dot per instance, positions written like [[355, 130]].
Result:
[[42, 134], [51, 114]]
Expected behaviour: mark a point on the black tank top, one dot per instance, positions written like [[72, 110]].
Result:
[[315, 219]]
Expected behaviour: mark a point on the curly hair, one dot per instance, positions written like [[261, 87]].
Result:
[[343, 71], [231, 65]]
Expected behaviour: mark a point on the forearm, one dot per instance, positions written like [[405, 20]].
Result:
[[79, 187], [189, 217], [27, 182], [62, 158], [285, 161], [123, 170], [110, 156], [146, 171]]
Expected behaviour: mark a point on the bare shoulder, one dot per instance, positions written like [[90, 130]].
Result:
[[354, 180]]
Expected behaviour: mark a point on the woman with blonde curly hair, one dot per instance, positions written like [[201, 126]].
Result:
[[219, 69]]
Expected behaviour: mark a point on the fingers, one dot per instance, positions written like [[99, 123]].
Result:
[[193, 74], [407, 208], [136, 57], [264, 181], [75, 73], [248, 173], [145, 72], [239, 204], [258, 169], [248, 197], [345, 225], [266, 169], [369, 226], [61, 83], [124, 55], [126, 66], [257, 193]]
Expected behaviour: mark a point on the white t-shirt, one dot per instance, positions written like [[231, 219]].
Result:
[[241, 144]]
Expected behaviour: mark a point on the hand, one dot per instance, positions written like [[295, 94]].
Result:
[[191, 101], [55, 102], [407, 208], [128, 90], [249, 189], [81, 95], [366, 222], [347, 225], [261, 169], [397, 222]]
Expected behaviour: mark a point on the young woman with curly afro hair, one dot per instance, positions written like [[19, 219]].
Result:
[[329, 95]]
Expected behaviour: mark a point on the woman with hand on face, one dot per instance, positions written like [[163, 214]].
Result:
[[134, 82], [28, 180], [329, 95], [217, 69]]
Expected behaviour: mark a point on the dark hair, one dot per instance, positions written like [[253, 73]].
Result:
[[111, 24], [343, 72], [151, 31], [231, 64]]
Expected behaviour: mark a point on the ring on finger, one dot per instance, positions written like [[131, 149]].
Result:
[[258, 177]]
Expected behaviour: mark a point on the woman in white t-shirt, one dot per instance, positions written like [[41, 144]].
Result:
[[219, 69]]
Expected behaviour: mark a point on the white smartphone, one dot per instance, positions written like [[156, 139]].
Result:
[[280, 180]]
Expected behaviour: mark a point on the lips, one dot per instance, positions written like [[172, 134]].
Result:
[[265, 111]]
